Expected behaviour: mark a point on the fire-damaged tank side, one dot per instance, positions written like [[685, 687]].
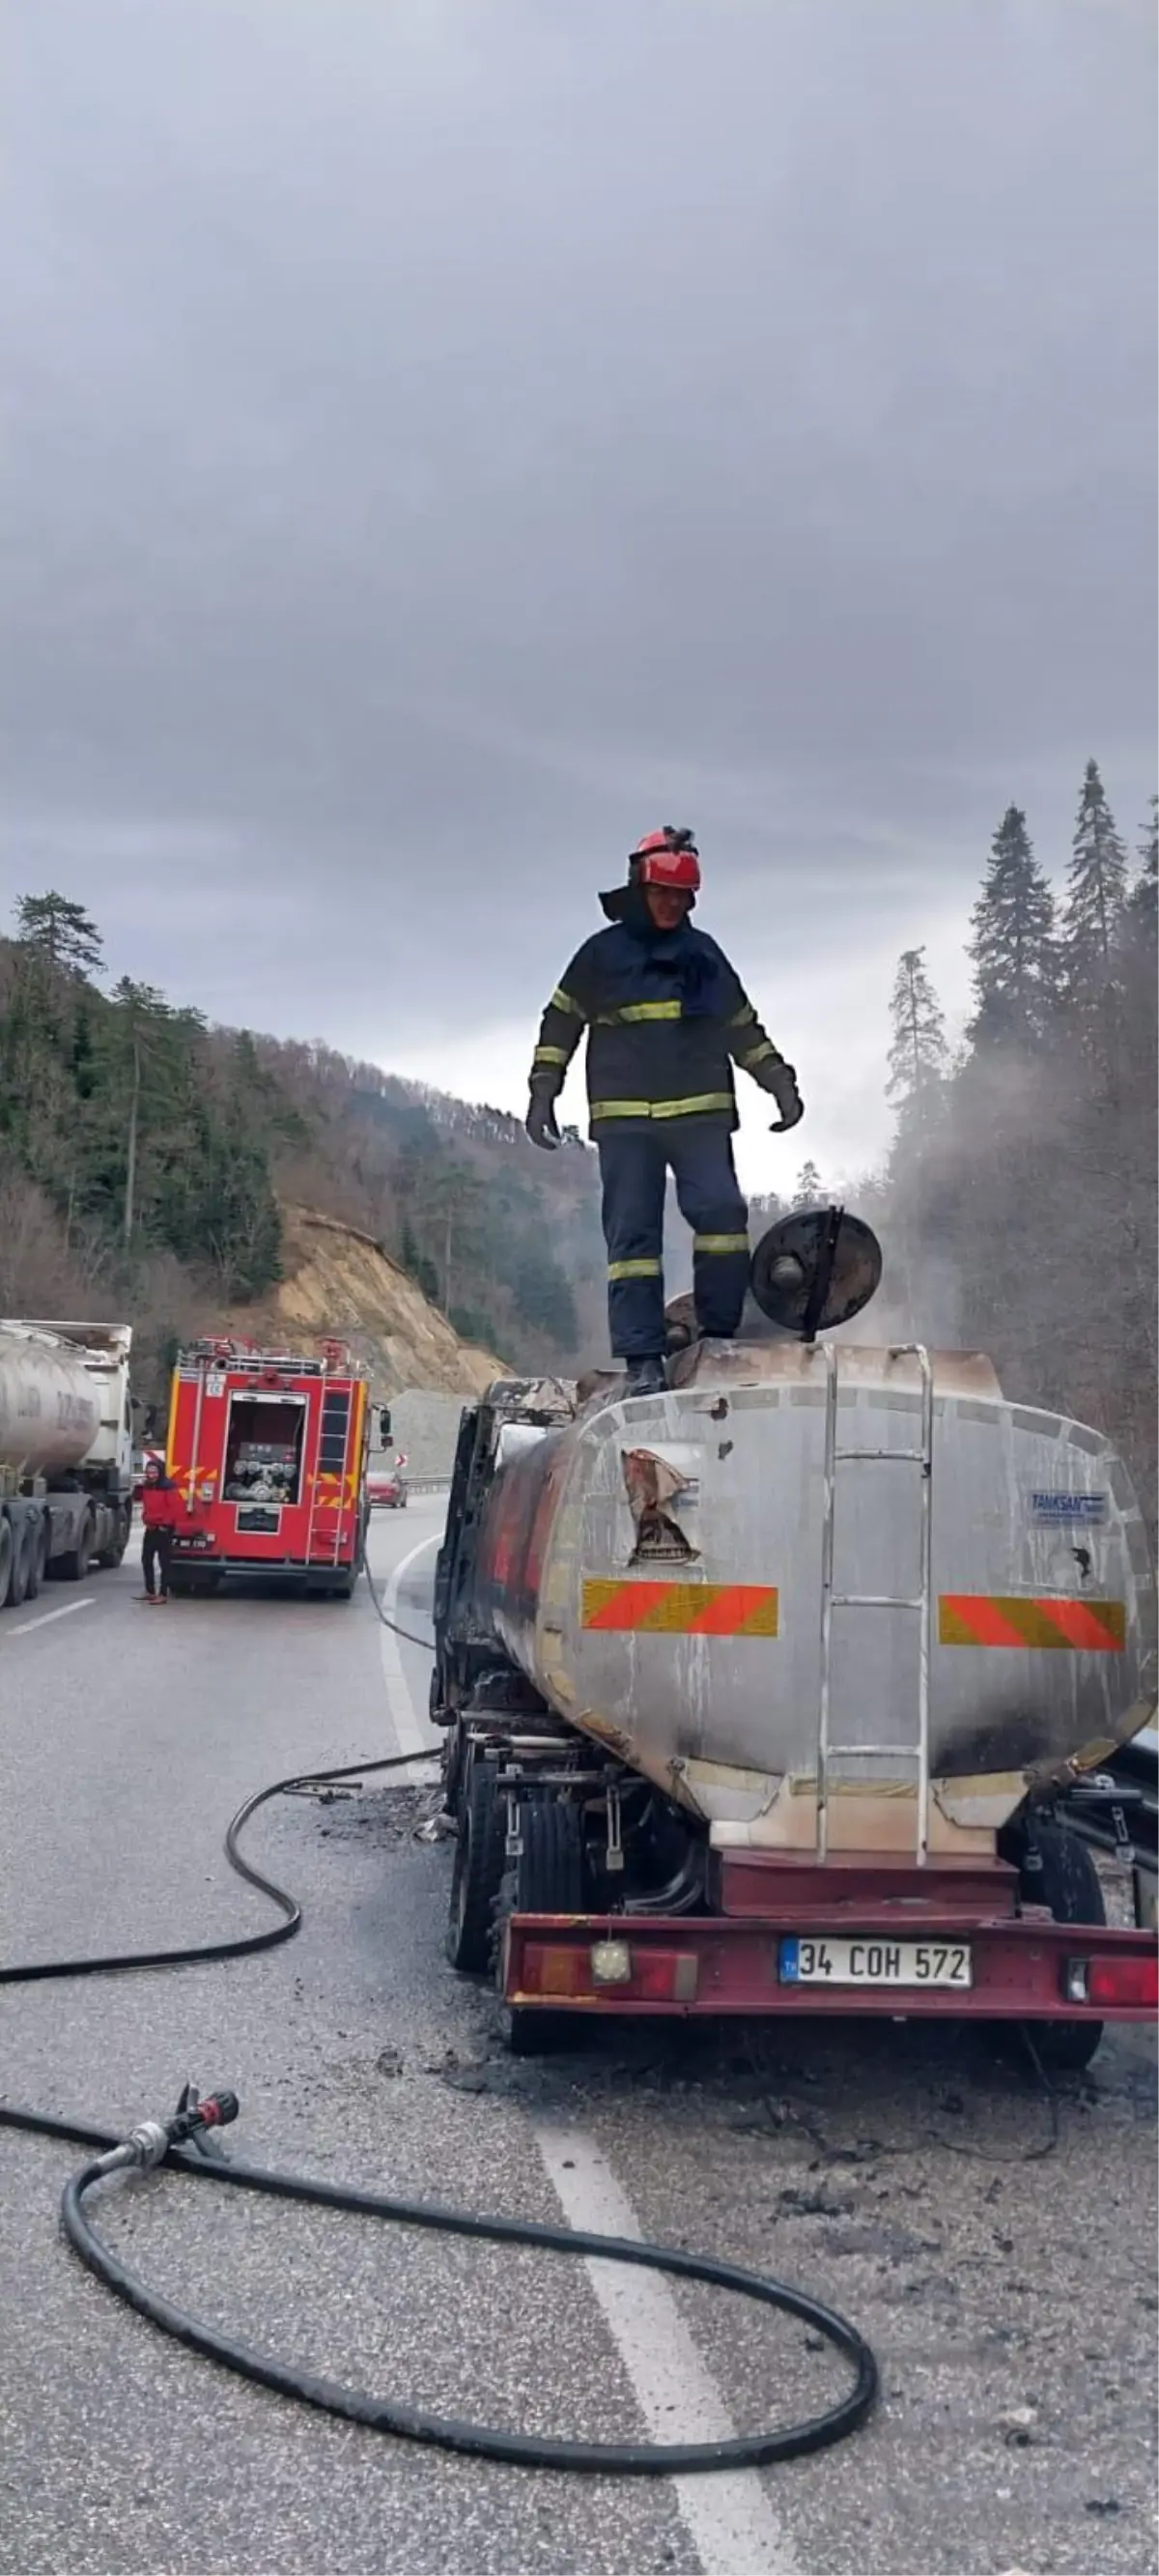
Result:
[[654, 1569], [761, 1690]]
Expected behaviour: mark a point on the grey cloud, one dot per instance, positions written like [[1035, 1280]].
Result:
[[444, 439]]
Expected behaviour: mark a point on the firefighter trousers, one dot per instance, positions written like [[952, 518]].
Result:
[[634, 1171]]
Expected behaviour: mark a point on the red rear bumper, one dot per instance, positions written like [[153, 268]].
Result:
[[1024, 1966], [1022, 1970]]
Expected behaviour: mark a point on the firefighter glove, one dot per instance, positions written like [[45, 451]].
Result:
[[540, 1121], [781, 1080]]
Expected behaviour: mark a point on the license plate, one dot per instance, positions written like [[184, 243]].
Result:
[[823, 1962]]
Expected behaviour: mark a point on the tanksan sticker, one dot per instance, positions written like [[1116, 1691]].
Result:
[[1064, 1510]]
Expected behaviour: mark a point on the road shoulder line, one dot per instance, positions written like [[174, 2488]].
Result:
[[728, 2515], [44, 1618], [412, 1734]]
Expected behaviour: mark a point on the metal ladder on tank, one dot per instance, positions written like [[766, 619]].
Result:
[[919, 1603]]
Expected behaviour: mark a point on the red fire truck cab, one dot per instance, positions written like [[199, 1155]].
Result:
[[268, 1452]]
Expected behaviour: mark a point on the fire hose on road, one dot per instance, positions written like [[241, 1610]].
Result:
[[185, 2144]]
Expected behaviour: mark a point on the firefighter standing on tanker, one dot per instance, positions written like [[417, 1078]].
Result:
[[667, 1018]]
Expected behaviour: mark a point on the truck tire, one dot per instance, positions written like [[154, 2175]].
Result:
[[1058, 1870], [113, 1555], [478, 1871], [7, 1557], [23, 1560], [73, 1566], [38, 1559], [547, 1878]]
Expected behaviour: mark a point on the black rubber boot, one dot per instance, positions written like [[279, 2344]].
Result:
[[646, 1377]]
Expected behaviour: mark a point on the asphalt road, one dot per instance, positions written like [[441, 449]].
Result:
[[1009, 2292]]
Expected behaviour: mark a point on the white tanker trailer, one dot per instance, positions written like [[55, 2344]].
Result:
[[66, 1452], [763, 1689]]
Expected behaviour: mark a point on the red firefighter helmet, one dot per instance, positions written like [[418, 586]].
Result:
[[667, 858]]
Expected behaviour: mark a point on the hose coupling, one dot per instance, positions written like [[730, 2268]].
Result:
[[149, 2143], [145, 2145]]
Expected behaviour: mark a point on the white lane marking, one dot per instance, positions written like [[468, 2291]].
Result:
[[728, 2517], [44, 1618], [412, 1734]]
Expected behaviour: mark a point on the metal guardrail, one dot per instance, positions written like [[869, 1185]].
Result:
[[426, 1484]]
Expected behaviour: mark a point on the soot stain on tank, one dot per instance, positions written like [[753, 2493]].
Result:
[[1009, 1742]]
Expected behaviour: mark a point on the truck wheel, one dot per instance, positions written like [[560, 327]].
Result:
[[453, 1757], [111, 1557], [73, 1566], [7, 1557], [1058, 1870], [478, 1871], [547, 1878], [23, 1560], [37, 1560]]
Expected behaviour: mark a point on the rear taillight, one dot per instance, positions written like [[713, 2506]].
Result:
[[615, 1969], [553, 1968], [668, 1976], [1123, 1979]]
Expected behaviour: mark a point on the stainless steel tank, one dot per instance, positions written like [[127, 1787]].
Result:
[[50, 1406], [658, 1568]]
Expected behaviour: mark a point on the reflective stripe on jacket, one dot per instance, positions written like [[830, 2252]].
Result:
[[666, 1018]]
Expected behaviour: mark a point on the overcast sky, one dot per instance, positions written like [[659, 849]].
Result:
[[443, 438]]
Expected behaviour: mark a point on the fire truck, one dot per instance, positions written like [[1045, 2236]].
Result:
[[268, 1451]]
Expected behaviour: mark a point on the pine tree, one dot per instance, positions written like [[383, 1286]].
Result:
[[917, 1053], [1143, 900], [417, 1266], [1096, 893], [543, 1297], [810, 1189], [46, 1013], [60, 933], [140, 1126], [1013, 948]]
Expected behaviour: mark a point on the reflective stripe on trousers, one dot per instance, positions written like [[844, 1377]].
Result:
[[634, 1172]]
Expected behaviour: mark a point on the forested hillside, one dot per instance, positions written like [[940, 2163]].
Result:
[[505, 1239], [144, 1157], [1018, 1209]]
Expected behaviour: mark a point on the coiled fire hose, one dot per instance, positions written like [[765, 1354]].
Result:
[[184, 2144]]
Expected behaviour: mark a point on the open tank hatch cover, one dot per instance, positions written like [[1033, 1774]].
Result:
[[815, 1269]]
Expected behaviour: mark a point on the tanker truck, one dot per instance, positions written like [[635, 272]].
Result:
[[769, 1693], [66, 1447]]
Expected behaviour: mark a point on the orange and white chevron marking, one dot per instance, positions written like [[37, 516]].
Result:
[[656, 1608], [1057, 1621]]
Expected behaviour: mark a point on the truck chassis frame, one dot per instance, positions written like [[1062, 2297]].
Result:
[[717, 1951]]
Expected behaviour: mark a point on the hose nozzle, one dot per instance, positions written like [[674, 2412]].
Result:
[[149, 2143]]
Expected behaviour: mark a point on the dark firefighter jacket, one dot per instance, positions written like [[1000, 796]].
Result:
[[667, 1017]]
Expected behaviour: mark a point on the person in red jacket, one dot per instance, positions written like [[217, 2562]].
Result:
[[159, 1506]]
